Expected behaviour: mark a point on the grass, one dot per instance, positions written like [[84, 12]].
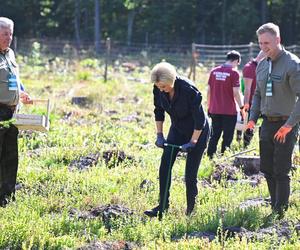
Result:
[[41, 217]]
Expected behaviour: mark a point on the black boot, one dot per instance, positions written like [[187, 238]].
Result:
[[3, 202], [282, 197], [189, 211], [191, 200], [272, 190], [154, 212]]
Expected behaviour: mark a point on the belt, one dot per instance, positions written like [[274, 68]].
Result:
[[275, 118]]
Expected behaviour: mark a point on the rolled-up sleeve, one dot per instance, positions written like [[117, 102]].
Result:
[[159, 112], [195, 99]]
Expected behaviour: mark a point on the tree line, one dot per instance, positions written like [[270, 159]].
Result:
[[152, 21]]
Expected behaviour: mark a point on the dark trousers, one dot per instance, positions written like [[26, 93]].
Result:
[[191, 168], [221, 124], [276, 162], [8, 156]]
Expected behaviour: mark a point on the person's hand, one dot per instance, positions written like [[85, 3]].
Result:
[[160, 140], [188, 147], [282, 132], [243, 113], [246, 107], [25, 98]]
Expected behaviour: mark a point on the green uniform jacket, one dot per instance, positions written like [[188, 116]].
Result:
[[284, 101]]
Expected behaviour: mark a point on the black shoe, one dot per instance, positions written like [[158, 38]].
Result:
[[3, 202], [152, 212], [189, 210]]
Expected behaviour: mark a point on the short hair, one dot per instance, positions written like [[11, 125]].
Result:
[[6, 23], [270, 28], [163, 72], [233, 55]]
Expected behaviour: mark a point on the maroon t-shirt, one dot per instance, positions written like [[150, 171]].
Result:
[[222, 79], [249, 72]]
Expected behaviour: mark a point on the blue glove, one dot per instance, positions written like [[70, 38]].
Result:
[[188, 147], [160, 140]]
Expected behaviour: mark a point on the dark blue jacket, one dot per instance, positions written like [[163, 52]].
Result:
[[185, 108]]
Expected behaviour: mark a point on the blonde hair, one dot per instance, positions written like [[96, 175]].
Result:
[[270, 28], [163, 72]]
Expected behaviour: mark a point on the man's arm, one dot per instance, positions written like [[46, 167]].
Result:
[[237, 96], [247, 92]]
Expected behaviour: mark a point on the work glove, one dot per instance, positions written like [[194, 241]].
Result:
[[282, 132], [188, 147], [160, 140], [250, 125]]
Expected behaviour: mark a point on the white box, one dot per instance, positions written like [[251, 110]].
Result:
[[31, 122]]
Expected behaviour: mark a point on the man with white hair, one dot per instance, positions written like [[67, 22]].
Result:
[[10, 94]]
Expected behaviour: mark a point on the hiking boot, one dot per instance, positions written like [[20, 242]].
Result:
[[189, 210], [3, 202], [152, 212]]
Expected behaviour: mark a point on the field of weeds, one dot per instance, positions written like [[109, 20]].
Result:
[[86, 183]]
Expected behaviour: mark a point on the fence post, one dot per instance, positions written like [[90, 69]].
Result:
[[193, 63], [107, 57]]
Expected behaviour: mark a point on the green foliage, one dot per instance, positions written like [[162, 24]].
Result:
[[90, 63], [179, 22]]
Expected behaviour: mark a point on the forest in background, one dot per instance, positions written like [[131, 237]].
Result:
[[152, 21]]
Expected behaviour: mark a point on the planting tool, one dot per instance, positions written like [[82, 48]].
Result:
[[162, 208]]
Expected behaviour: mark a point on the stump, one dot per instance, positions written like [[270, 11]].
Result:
[[249, 163], [80, 101]]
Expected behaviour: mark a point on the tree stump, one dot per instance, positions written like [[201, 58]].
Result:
[[249, 163], [80, 101]]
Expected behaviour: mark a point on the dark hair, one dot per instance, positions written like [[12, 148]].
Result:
[[233, 55]]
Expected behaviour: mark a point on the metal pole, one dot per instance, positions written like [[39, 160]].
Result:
[[162, 208], [107, 57]]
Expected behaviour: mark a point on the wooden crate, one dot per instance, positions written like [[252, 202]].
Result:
[[33, 122]]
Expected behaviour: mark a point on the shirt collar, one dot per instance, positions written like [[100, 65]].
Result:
[[281, 52], [4, 51], [227, 65], [254, 61]]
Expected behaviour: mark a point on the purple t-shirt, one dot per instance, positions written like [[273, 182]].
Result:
[[249, 72], [222, 80]]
